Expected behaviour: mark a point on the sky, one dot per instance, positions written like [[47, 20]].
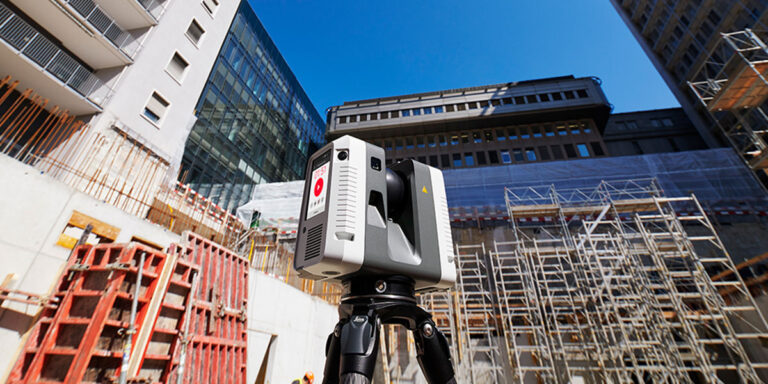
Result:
[[344, 50]]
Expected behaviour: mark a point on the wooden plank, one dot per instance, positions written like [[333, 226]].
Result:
[[81, 220]]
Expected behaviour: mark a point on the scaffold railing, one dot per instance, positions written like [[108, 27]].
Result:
[[732, 84], [616, 287]]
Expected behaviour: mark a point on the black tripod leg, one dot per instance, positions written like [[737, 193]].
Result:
[[332, 354], [433, 354], [359, 346]]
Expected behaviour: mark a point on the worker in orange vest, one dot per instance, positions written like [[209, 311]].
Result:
[[309, 378]]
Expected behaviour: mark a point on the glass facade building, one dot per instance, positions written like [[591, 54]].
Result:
[[255, 123]]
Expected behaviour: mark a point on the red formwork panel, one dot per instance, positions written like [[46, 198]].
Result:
[[216, 339], [81, 341], [168, 331]]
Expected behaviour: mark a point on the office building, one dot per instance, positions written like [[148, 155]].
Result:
[[520, 122], [654, 131], [128, 73], [255, 123], [704, 50]]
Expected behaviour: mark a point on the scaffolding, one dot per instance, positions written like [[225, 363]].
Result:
[[732, 84], [605, 285]]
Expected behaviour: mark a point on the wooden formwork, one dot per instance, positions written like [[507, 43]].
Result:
[[214, 350], [81, 341]]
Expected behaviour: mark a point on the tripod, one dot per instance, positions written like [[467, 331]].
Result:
[[352, 347]]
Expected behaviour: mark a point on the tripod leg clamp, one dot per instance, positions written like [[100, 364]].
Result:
[[433, 354], [359, 345]]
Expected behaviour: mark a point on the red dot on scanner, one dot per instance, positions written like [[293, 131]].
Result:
[[318, 187]]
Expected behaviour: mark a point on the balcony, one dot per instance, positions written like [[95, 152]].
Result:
[[83, 28], [40, 64], [134, 14]]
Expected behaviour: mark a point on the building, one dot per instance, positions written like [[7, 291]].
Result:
[[526, 121], [687, 42], [101, 94], [655, 131], [255, 123]]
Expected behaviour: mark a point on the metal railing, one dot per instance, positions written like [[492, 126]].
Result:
[[106, 26], [33, 45], [155, 8]]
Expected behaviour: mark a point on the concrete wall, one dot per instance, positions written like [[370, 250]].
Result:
[[34, 210], [297, 325]]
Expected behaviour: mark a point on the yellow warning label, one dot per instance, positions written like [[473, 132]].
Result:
[[424, 189]]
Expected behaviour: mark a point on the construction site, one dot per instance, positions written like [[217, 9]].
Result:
[[121, 263]]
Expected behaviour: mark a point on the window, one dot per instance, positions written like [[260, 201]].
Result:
[[342, 119], [464, 138], [195, 31], [384, 115], [406, 112], [439, 109], [493, 157], [484, 104], [597, 149], [433, 161], [557, 96], [524, 133], [476, 137], [557, 152], [519, 100], [544, 153], [409, 143], [507, 100], [488, 136], [443, 142], [461, 107], [472, 105], [456, 160], [656, 123], [469, 159], [454, 140], [531, 99], [570, 151], [353, 119], [394, 114], [582, 93], [416, 111], [449, 108], [374, 116], [513, 133], [481, 158], [544, 97], [420, 142], [536, 131], [156, 108], [585, 127], [518, 154], [428, 110], [211, 5], [574, 128], [631, 124], [445, 160], [570, 95], [583, 151], [398, 144], [530, 154], [500, 135], [422, 159], [364, 117], [667, 122], [505, 158], [561, 130], [177, 68], [495, 102], [388, 145], [549, 131], [431, 141]]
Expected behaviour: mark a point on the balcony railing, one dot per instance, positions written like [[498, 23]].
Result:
[[121, 39], [26, 40], [154, 7]]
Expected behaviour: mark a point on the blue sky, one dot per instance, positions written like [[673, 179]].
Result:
[[342, 50]]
